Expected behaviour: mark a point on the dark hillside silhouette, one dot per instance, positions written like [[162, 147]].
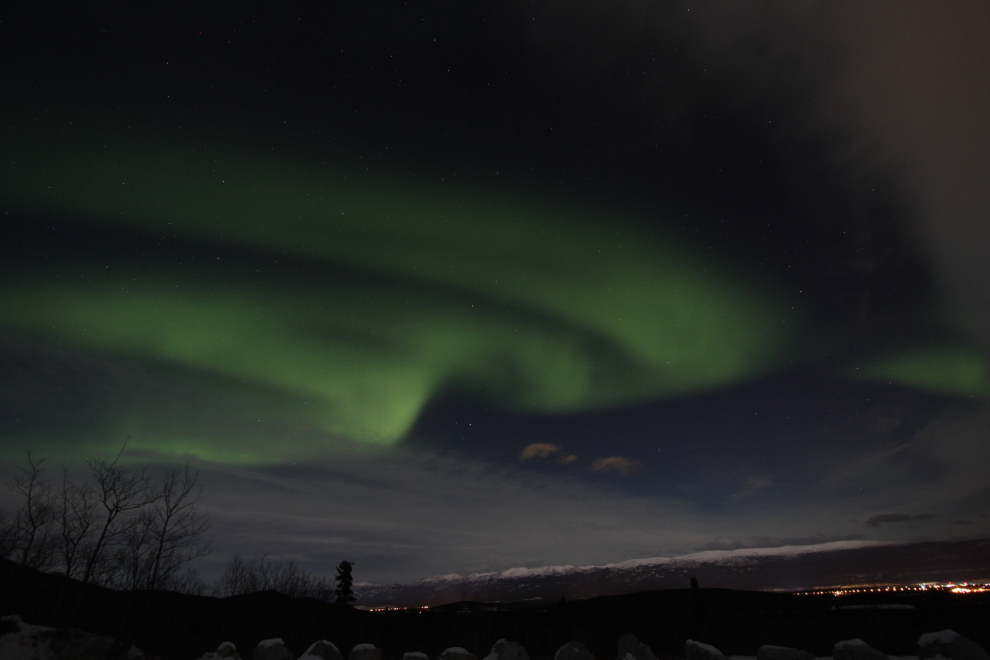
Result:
[[180, 626]]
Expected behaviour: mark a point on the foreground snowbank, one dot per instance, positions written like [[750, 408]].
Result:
[[23, 641]]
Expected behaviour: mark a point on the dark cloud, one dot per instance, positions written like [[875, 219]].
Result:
[[888, 518], [877, 110]]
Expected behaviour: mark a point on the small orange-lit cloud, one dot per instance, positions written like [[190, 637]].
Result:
[[538, 450], [567, 460], [615, 464]]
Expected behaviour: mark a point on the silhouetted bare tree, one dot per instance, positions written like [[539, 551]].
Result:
[[76, 518], [188, 581], [244, 577], [119, 490], [7, 536], [32, 526], [177, 528], [127, 567], [120, 529], [235, 579]]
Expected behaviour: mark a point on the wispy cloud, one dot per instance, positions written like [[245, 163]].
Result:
[[404, 515], [615, 464], [546, 450], [538, 450], [753, 486]]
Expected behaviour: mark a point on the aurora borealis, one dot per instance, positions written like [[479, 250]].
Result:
[[535, 306], [297, 239]]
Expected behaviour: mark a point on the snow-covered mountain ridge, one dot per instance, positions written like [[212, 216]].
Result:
[[793, 567], [727, 557]]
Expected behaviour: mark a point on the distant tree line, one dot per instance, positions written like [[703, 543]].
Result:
[[124, 529], [244, 577]]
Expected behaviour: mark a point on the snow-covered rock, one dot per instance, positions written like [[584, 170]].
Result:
[[630, 648], [503, 650], [782, 653], [365, 652], [226, 651], [573, 650], [856, 649], [940, 637], [457, 653], [322, 650], [414, 655], [17, 625], [949, 644], [28, 642], [271, 649], [697, 651]]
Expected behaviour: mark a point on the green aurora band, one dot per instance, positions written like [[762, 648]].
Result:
[[539, 306]]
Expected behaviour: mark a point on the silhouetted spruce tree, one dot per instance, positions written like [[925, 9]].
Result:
[[345, 584]]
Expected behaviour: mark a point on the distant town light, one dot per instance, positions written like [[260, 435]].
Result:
[[954, 587]]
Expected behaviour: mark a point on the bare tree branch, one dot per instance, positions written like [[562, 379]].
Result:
[[178, 528], [118, 490], [32, 522], [243, 577], [8, 536], [120, 529], [132, 561], [77, 514]]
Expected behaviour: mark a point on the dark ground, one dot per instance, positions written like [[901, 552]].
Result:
[[182, 627]]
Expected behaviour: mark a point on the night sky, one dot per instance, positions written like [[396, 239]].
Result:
[[454, 287]]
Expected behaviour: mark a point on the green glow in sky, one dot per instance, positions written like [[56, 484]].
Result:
[[368, 361], [538, 305], [945, 370]]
